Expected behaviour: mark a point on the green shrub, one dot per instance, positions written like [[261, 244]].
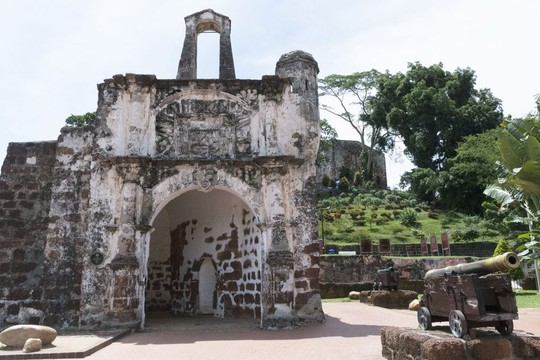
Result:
[[81, 120], [343, 184], [357, 180], [326, 181], [362, 234], [397, 228], [409, 218], [471, 221], [467, 235]]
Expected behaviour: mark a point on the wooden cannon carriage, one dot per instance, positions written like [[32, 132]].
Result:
[[470, 295]]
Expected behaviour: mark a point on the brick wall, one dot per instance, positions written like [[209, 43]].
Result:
[[158, 287], [25, 184]]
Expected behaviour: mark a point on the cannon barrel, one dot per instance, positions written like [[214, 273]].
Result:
[[506, 261]]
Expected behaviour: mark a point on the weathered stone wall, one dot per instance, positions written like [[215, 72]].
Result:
[[342, 274], [361, 269], [347, 153], [68, 228], [122, 200], [25, 195]]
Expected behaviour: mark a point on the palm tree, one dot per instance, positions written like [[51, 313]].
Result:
[[520, 178]]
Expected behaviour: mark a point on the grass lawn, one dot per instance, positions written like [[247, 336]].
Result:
[[345, 299], [528, 299]]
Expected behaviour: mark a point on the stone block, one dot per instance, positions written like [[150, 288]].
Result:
[[16, 336], [525, 347], [393, 299], [403, 343], [32, 345], [410, 343], [414, 305], [495, 348], [443, 349]]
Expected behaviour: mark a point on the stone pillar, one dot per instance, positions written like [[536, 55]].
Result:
[[187, 67], [125, 266], [226, 61]]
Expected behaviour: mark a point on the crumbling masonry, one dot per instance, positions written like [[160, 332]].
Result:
[[187, 195]]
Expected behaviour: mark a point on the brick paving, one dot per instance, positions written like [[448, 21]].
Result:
[[351, 330]]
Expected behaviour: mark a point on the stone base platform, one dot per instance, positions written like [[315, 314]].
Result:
[[403, 343], [399, 299]]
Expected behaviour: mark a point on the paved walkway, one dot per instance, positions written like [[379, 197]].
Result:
[[351, 330]]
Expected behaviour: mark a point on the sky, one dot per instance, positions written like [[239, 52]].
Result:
[[53, 53]]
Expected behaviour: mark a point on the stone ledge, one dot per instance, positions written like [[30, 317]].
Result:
[[403, 343]]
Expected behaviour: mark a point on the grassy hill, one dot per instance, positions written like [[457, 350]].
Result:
[[391, 214]]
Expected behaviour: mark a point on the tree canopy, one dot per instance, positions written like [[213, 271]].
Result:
[[469, 172], [352, 95], [328, 133], [432, 110]]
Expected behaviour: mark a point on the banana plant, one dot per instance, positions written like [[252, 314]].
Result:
[[519, 180]]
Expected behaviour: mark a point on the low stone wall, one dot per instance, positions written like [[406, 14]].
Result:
[[388, 299], [363, 269], [402, 343], [331, 290], [340, 275], [476, 249]]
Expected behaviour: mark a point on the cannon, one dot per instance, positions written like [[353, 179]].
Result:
[[387, 279], [470, 295]]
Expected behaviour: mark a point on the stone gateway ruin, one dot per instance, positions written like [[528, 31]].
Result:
[[186, 195]]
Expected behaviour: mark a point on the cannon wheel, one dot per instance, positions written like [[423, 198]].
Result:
[[506, 327], [458, 324], [424, 318]]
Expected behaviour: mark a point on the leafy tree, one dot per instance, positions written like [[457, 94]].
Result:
[[470, 171], [433, 110], [328, 133], [81, 120], [424, 183], [353, 94]]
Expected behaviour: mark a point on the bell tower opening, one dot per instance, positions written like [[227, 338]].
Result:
[[201, 22], [208, 55]]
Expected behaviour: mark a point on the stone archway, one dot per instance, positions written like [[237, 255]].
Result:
[[194, 227]]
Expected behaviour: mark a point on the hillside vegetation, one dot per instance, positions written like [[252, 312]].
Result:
[[396, 215]]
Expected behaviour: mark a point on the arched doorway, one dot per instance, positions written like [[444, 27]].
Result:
[[207, 286], [204, 256]]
